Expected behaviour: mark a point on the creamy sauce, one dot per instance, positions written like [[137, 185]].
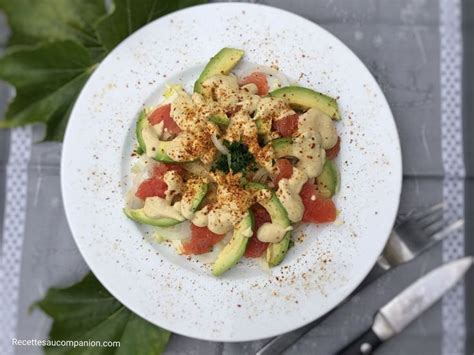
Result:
[[225, 90], [247, 232], [174, 184], [307, 145], [191, 191], [274, 108], [200, 218], [220, 220], [156, 207], [272, 232], [289, 194], [262, 196], [323, 124], [251, 88], [248, 98], [230, 207], [182, 111], [191, 115], [222, 96], [222, 88], [240, 126], [188, 146], [271, 109], [187, 209], [150, 138], [249, 104]]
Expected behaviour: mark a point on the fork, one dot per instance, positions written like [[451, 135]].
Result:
[[413, 234]]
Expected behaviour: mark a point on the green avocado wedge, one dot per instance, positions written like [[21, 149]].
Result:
[[235, 249], [161, 155], [303, 99], [160, 151], [328, 180], [199, 196], [222, 120], [221, 63], [260, 127], [276, 251], [283, 147], [137, 215], [141, 124]]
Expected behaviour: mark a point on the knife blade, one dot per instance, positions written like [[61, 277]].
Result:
[[393, 317]]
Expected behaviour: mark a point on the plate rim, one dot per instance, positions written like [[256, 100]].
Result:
[[398, 170]]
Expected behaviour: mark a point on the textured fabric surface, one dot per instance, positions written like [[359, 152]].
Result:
[[468, 128], [453, 162], [13, 232]]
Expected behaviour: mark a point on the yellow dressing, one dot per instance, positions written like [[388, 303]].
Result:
[[174, 184], [272, 232], [156, 207], [288, 194]]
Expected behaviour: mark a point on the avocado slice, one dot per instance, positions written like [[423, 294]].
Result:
[[199, 196], [233, 251], [220, 119], [160, 150], [263, 128], [282, 147], [260, 127], [161, 155], [303, 99], [142, 122], [328, 180], [139, 216], [276, 251], [222, 63]]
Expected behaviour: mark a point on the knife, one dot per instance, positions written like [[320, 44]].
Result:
[[392, 318]]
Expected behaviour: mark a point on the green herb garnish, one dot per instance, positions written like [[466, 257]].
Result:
[[238, 160], [221, 164]]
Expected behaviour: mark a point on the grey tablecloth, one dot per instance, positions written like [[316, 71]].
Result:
[[413, 47]]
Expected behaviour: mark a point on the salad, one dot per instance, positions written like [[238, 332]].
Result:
[[234, 167]]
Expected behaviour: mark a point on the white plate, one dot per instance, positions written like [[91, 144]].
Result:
[[246, 303]]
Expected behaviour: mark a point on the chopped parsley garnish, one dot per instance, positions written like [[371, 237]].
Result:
[[238, 160], [221, 164]]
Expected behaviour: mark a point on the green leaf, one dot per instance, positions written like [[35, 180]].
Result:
[[47, 79], [86, 311], [35, 21], [56, 47], [127, 16]]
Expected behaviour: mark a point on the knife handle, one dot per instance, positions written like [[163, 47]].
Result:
[[363, 345]]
